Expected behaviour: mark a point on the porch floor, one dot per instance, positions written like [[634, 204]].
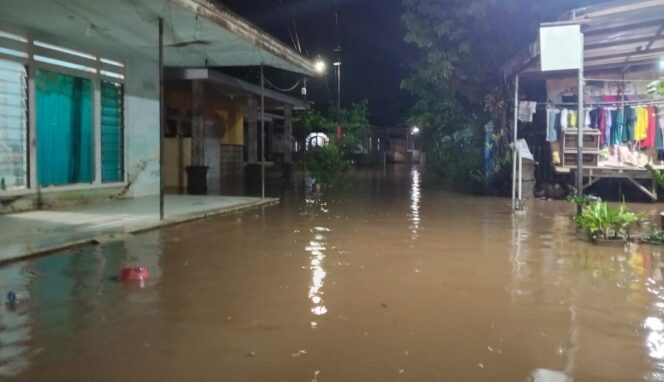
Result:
[[36, 232]]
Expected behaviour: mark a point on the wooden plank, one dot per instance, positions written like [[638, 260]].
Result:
[[652, 195]]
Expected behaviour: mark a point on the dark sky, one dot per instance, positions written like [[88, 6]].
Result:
[[370, 34]]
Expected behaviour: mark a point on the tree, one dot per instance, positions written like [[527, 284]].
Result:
[[354, 123], [460, 45]]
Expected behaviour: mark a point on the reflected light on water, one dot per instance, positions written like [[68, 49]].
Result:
[[316, 249], [415, 196], [655, 337]]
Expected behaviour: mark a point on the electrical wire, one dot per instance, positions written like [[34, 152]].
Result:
[[281, 89]]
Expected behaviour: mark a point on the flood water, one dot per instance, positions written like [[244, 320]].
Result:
[[389, 279]]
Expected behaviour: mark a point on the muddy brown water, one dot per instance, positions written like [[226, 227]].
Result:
[[387, 280]]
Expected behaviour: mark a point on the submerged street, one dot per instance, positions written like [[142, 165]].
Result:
[[387, 279]]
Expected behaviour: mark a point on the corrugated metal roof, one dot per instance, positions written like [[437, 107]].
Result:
[[196, 32], [617, 35]]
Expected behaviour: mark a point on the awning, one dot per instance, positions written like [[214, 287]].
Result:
[[617, 35], [196, 32], [235, 87]]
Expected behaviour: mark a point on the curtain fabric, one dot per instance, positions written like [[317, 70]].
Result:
[[65, 138]]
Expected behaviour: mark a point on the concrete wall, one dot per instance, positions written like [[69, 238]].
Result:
[[141, 124], [226, 114], [142, 127]]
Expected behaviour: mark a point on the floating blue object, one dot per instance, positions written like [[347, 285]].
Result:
[[11, 298]]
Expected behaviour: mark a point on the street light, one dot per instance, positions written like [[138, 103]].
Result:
[[320, 66], [415, 130]]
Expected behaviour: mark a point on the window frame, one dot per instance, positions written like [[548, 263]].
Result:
[[98, 68], [26, 187]]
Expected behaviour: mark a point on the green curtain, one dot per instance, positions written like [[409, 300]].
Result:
[[65, 138], [111, 133]]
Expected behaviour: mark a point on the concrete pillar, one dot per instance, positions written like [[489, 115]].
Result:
[[288, 133], [252, 130], [198, 123]]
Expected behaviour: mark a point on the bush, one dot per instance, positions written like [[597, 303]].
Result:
[[325, 164], [600, 221]]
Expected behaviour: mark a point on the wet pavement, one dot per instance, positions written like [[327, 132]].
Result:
[[389, 279]]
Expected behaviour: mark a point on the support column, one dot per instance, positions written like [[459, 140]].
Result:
[[252, 129], [198, 123], [288, 133], [161, 119], [516, 136]]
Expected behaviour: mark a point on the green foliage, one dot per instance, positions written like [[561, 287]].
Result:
[[584, 200], [455, 73], [459, 160], [656, 174], [354, 122], [325, 164], [600, 221], [656, 87], [655, 235]]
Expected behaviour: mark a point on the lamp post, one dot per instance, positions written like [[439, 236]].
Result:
[[337, 65]]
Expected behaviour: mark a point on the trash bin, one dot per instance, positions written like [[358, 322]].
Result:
[[197, 180]]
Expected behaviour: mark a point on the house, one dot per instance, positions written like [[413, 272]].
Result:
[[81, 90], [232, 128]]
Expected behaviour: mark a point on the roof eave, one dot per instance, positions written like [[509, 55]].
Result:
[[244, 29]]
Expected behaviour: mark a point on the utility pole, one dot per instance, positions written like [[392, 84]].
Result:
[[262, 132], [337, 65]]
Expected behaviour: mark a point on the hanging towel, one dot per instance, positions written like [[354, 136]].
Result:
[[564, 118], [552, 125], [526, 111]]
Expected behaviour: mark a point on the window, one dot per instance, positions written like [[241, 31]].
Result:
[[13, 126], [65, 133], [78, 115], [112, 132]]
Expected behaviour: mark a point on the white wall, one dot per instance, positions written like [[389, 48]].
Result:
[[142, 126]]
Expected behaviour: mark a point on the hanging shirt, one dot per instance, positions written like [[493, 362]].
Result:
[[587, 122], [572, 118], [652, 128], [641, 125], [608, 127], [552, 125], [659, 128], [620, 126], [628, 123], [601, 125], [616, 132], [564, 118]]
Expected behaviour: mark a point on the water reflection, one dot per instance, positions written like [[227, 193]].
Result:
[[316, 249], [15, 322], [415, 196]]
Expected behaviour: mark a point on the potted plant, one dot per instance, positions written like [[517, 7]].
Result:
[[603, 223]]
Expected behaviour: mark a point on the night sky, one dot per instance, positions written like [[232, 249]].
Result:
[[371, 37]]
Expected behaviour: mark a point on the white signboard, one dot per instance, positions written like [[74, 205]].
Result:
[[561, 47]]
